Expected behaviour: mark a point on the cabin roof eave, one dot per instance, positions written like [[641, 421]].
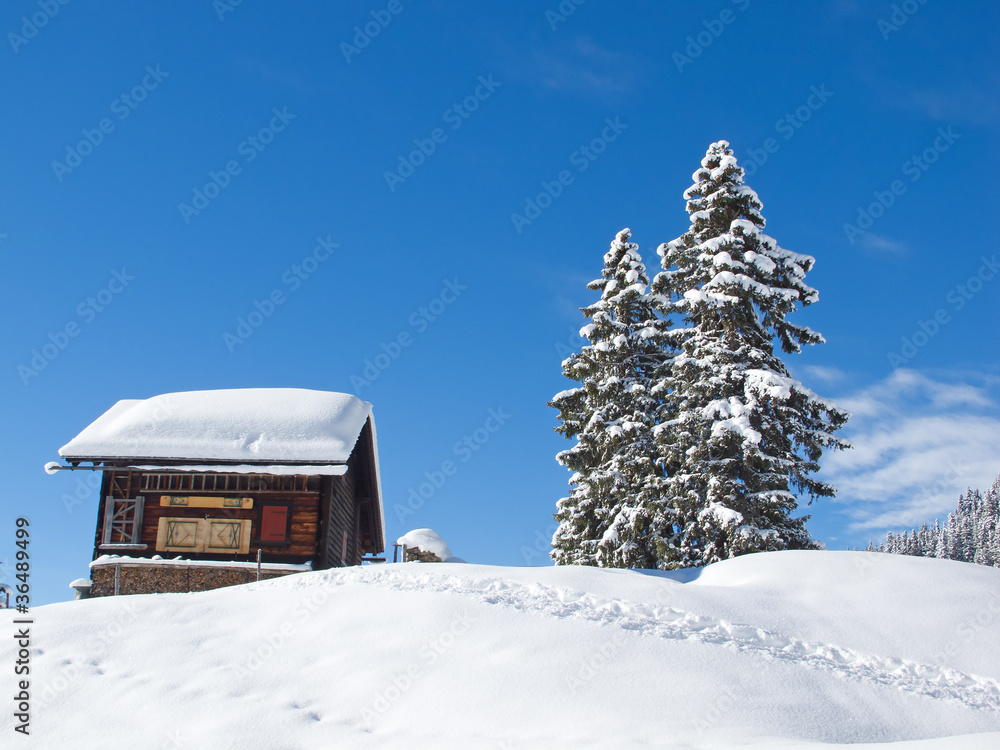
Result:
[[211, 467], [186, 461]]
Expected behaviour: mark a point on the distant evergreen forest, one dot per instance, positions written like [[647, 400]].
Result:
[[971, 534]]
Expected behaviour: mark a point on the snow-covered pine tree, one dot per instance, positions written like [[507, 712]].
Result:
[[738, 433], [988, 521], [960, 522], [612, 517]]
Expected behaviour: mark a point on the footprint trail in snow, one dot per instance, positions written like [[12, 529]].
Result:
[[666, 622]]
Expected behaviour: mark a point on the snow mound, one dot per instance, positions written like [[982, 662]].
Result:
[[426, 540], [786, 649]]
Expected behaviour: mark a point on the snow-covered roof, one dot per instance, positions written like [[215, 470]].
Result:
[[248, 425]]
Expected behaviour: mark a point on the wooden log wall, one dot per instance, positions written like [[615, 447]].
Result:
[[304, 540], [342, 516]]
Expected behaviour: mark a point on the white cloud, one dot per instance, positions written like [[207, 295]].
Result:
[[575, 65], [824, 373], [918, 443], [879, 244], [964, 101]]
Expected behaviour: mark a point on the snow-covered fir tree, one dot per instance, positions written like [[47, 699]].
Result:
[[738, 435], [612, 517], [972, 533]]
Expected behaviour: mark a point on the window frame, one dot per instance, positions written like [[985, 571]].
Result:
[[118, 518]]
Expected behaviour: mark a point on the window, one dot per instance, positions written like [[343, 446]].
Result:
[[123, 523], [274, 523]]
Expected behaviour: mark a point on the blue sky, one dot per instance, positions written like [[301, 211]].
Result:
[[171, 170]]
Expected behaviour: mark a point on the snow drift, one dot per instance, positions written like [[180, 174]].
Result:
[[785, 649]]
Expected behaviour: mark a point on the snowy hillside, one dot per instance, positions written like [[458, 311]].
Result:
[[782, 649]]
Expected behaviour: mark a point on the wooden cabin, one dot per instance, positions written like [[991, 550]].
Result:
[[195, 484]]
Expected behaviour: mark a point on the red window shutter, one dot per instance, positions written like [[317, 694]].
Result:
[[274, 523]]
